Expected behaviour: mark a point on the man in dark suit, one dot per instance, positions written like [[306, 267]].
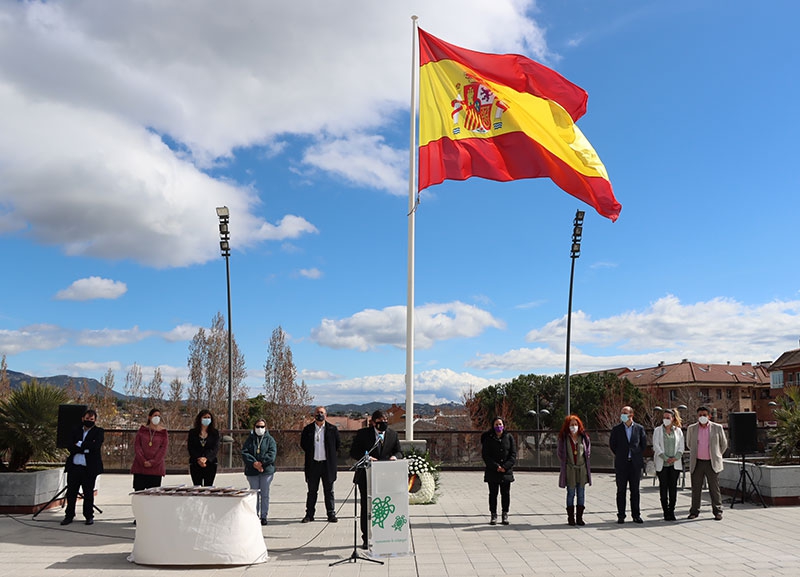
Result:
[[628, 442], [84, 463], [320, 442], [383, 444]]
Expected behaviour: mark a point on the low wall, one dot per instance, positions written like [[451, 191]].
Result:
[[778, 484], [30, 491]]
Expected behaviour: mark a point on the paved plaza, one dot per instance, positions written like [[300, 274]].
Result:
[[450, 538]]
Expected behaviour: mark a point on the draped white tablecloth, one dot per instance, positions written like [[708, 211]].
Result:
[[197, 530]]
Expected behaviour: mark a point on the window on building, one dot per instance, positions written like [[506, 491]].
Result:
[[673, 395], [776, 380], [719, 394], [728, 393]]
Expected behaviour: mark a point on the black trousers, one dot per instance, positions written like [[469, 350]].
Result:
[[361, 483], [668, 487], [142, 481], [505, 496], [80, 480], [628, 476], [316, 473], [203, 476]]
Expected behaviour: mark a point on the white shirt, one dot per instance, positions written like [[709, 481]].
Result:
[[319, 442], [80, 458]]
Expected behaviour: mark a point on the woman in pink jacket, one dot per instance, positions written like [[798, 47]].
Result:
[[150, 449]]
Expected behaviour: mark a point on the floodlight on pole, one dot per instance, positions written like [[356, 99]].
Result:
[[575, 252], [225, 249]]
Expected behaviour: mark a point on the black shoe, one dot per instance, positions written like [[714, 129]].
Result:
[[364, 544], [264, 521], [307, 519], [638, 520], [718, 516], [505, 519], [89, 521], [620, 520], [493, 519], [332, 519], [692, 516], [66, 521]]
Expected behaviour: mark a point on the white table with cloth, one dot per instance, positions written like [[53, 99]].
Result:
[[197, 526]]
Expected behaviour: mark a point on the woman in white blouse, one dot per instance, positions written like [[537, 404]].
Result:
[[668, 457]]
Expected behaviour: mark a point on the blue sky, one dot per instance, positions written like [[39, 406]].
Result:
[[123, 128]]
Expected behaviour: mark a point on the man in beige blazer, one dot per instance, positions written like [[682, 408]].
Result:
[[706, 442]]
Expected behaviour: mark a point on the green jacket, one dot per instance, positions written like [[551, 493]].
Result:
[[262, 449]]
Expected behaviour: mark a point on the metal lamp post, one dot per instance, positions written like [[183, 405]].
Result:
[[225, 248], [575, 252]]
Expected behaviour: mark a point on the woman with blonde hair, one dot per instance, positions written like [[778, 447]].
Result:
[[574, 452], [668, 457]]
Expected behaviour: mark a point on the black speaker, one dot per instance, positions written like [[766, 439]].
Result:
[[69, 419], [743, 432]]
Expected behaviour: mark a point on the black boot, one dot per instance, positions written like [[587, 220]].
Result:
[[571, 515], [579, 516], [493, 519], [505, 517]]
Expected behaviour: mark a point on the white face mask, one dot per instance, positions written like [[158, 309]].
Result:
[[155, 419], [667, 422], [573, 429], [260, 431], [702, 420]]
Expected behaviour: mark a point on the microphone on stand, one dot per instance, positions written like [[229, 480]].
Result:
[[378, 442]]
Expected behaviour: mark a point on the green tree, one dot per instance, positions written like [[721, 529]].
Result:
[[5, 382], [787, 433], [28, 424]]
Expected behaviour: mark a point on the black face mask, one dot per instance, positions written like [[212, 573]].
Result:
[[88, 424], [382, 426], [319, 417]]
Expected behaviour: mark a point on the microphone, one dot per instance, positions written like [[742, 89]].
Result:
[[378, 441]]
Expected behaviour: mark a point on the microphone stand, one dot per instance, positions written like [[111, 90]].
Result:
[[362, 464]]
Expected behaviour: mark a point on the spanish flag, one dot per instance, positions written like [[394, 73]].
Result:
[[504, 117]]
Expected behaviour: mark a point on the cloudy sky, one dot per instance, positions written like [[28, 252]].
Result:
[[124, 124]]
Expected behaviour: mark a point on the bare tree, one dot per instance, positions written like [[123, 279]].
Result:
[[286, 401], [176, 411], [155, 393], [103, 400], [208, 373], [134, 388]]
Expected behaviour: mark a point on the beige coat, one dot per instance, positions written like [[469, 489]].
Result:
[[718, 444]]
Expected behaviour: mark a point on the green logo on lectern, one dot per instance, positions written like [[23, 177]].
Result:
[[381, 510]]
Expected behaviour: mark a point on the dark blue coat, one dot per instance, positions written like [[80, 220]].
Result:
[[618, 441]]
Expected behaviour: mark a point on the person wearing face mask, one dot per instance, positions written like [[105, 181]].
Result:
[[84, 464], [320, 443], [707, 443], [667, 456], [258, 453], [383, 444], [202, 443], [574, 452], [499, 452], [628, 442], [150, 452]]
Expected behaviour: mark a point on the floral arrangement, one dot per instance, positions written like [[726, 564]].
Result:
[[423, 478]]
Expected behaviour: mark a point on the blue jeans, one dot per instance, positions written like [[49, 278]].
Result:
[[580, 490], [261, 482]]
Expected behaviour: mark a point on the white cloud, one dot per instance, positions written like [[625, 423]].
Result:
[[316, 375], [91, 95], [433, 322], [436, 386], [312, 273], [40, 337], [92, 288], [718, 330], [184, 332]]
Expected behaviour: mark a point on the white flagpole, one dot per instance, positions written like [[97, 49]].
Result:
[[412, 178]]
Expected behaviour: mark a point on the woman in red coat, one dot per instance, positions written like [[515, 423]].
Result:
[[150, 449]]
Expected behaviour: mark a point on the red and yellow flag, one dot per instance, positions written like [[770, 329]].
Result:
[[504, 117]]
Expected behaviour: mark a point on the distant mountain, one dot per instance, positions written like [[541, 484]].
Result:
[[62, 381], [421, 409]]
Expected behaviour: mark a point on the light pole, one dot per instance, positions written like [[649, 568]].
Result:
[[575, 252], [225, 248]]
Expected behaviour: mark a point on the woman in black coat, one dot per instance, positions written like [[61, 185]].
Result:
[[499, 452], [202, 443]]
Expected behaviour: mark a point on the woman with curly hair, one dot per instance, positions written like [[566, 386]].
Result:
[[574, 452]]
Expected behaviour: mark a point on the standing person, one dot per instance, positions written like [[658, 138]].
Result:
[[628, 442], [84, 464], [320, 443], [574, 452], [668, 458], [706, 442], [258, 453], [499, 452], [202, 443], [383, 444], [150, 453]]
